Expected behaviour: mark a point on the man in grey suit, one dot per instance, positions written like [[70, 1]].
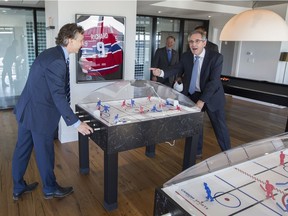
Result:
[[165, 58], [44, 99], [200, 70]]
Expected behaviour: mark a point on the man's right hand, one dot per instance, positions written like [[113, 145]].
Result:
[[154, 78], [156, 71], [84, 129]]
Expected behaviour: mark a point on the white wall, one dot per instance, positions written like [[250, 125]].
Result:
[[216, 25], [282, 71], [259, 60], [62, 12], [255, 60]]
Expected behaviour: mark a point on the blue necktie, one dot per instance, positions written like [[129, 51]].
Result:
[[169, 54], [195, 71], [67, 88]]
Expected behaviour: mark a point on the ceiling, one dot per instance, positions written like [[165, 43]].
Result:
[[193, 9], [197, 9]]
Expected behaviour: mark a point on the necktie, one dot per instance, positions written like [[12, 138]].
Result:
[[195, 71], [67, 88], [169, 54]]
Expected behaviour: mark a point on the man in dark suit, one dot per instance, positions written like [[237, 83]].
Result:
[[205, 87], [44, 99], [165, 58], [209, 44]]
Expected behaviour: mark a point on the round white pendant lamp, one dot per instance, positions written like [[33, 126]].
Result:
[[255, 25]]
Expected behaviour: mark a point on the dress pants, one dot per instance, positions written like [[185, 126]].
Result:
[[218, 121], [45, 158]]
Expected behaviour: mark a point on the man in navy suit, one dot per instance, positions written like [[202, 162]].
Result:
[[207, 90], [43, 101], [165, 58]]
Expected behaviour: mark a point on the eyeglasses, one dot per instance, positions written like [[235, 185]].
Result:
[[197, 41]]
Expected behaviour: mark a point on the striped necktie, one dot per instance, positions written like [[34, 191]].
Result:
[[67, 88], [195, 72]]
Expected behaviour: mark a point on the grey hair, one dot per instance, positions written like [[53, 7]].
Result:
[[203, 36]]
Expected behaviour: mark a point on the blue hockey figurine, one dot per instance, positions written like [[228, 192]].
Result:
[[208, 192]]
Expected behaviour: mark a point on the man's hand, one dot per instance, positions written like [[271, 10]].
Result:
[[156, 71], [154, 78], [200, 104], [84, 129]]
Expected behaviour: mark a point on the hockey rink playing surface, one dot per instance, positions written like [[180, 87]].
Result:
[[237, 190], [135, 110]]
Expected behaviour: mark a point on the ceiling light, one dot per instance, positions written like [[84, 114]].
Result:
[[255, 25]]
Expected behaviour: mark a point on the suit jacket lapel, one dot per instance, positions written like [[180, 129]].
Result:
[[205, 63]]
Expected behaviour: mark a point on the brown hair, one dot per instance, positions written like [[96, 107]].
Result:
[[66, 32], [170, 36]]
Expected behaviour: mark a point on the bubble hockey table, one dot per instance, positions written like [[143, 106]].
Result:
[[237, 179], [128, 115]]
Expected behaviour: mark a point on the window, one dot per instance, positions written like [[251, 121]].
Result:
[[18, 50]]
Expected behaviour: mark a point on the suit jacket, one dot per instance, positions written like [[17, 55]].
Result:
[[43, 99], [160, 60], [212, 92], [211, 46]]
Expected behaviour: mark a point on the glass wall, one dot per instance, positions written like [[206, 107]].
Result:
[[165, 28], [143, 47], [18, 49], [151, 34]]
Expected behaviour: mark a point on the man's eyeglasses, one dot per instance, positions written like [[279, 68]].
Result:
[[197, 41]]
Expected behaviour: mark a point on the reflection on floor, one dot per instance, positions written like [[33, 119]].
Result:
[[9, 94]]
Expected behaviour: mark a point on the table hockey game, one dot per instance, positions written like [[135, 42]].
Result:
[[254, 187], [130, 114]]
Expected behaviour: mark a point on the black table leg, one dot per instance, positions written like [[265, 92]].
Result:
[[286, 130], [190, 151], [83, 153], [150, 151], [110, 181]]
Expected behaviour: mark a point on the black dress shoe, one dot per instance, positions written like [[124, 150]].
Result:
[[60, 192], [29, 188]]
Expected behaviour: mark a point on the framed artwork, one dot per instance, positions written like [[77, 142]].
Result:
[[101, 56]]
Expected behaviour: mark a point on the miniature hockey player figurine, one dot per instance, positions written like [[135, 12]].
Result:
[[98, 104], [269, 189], [282, 157], [123, 104], [141, 109], [116, 119], [132, 103], [154, 109], [106, 109], [208, 192]]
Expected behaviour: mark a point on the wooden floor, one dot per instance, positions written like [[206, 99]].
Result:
[[138, 175]]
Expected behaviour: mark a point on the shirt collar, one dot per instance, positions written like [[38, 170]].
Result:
[[66, 54], [202, 54]]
